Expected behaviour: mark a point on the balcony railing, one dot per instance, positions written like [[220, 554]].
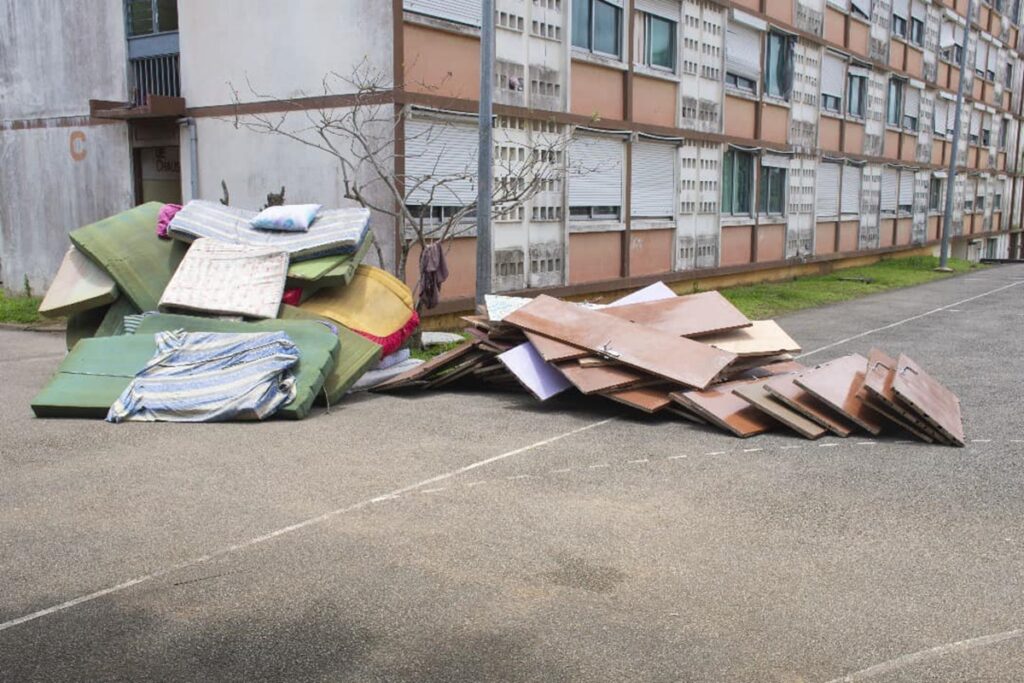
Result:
[[154, 75]]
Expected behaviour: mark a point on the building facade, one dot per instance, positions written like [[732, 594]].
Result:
[[719, 136]]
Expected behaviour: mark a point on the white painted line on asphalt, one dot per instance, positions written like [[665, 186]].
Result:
[[639, 462], [752, 450], [715, 453], [527, 476], [907, 320], [1016, 440], [867, 443], [924, 655], [783, 448], [827, 445], [561, 471], [604, 464], [437, 490], [981, 440], [676, 457], [311, 521], [477, 483]]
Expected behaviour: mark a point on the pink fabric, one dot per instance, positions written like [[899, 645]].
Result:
[[292, 297], [164, 219]]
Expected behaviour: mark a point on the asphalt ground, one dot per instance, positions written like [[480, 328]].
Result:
[[470, 536]]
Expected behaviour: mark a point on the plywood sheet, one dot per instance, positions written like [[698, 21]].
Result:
[[79, 285], [930, 399], [756, 394], [684, 316], [838, 384], [877, 392], [600, 379], [762, 338], [539, 378], [663, 354], [648, 399], [435, 364], [553, 350], [787, 392]]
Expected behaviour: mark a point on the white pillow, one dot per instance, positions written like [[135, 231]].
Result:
[[287, 218]]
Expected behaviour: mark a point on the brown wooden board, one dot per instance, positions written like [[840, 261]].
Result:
[[930, 399], [678, 410], [720, 406], [552, 350], [877, 392], [684, 316], [783, 389], [648, 399], [755, 394], [599, 379], [838, 384], [422, 371], [673, 358], [762, 338]]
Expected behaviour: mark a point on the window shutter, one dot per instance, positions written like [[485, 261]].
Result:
[[743, 51], [670, 9], [890, 188], [443, 151], [595, 171], [906, 187], [901, 8], [851, 189], [653, 191], [912, 103], [833, 79], [828, 190], [939, 117], [993, 60], [864, 6], [946, 38], [918, 10], [776, 161], [459, 11], [981, 54], [976, 123]]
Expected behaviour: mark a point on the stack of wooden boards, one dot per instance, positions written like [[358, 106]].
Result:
[[694, 356]]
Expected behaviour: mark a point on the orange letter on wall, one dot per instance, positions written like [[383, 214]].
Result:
[[77, 143]]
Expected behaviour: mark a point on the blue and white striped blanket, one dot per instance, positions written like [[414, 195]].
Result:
[[211, 377], [335, 231]]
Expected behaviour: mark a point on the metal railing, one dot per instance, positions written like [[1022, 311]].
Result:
[[156, 75]]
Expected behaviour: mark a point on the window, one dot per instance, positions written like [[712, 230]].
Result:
[[740, 82], [833, 80], [894, 105], [917, 32], [935, 195], [986, 137], [1004, 132], [660, 42], [596, 213], [778, 75], [979, 205], [773, 190], [911, 108], [831, 103], [737, 182], [857, 87], [899, 26], [597, 26], [145, 17], [997, 202]]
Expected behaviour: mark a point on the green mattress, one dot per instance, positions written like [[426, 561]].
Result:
[[329, 271], [358, 354], [126, 247], [97, 371]]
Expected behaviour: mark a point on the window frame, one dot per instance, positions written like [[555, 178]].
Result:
[[785, 63], [740, 82], [900, 85], [649, 20], [861, 95], [917, 29], [764, 182], [595, 213], [935, 192], [734, 185], [154, 20], [897, 21], [591, 28]]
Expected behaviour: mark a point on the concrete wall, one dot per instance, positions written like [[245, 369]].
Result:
[[56, 55], [58, 171], [284, 48]]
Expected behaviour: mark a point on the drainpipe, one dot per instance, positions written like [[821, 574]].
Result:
[[193, 155]]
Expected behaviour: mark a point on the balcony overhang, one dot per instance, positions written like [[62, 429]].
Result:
[[155, 107]]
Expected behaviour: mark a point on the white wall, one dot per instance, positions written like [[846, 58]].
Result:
[[56, 55], [283, 48], [46, 193]]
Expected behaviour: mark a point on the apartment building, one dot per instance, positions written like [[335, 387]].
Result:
[[720, 136]]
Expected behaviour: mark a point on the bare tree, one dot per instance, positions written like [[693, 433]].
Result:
[[436, 205]]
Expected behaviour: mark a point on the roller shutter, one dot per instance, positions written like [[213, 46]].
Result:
[[828, 190], [743, 51], [459, 11], [918, 10], [890, 189], [669, 9], [862, 6], [912, 105], [940, 114], [653, 191], [851, 190], [833, 76], [906, 188], [595, 171], [442, 151], [901, 8]]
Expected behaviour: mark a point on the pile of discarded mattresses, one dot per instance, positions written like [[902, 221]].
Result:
[[211, 312], [694, 356]]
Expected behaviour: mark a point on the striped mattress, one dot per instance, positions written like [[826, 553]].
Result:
[[335, 231]]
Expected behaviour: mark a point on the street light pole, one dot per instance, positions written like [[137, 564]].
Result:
[[485, 165], [947, 217]]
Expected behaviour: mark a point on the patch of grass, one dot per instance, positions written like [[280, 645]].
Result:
[[759, 302], [430, 351], [19, 309]]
